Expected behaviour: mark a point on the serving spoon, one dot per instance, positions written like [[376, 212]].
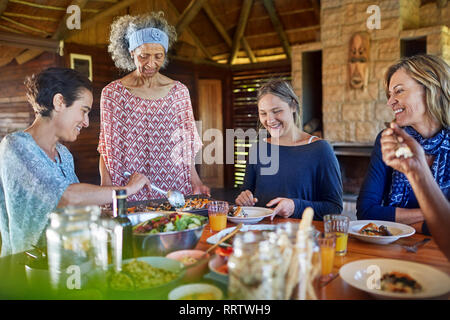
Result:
[[175, 197]]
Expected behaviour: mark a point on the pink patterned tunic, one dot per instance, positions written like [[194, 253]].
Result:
[[157, 138]]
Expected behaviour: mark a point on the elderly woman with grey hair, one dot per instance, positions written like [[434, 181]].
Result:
[[147, 122]]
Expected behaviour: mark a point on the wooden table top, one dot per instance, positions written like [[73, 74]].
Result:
[[338, 289]]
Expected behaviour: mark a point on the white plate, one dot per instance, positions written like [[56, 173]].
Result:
[[398, 230], [362, 273], [255, 215], [260, 227]]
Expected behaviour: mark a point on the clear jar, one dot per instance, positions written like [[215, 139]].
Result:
[[70, 245], [253, 268], [301, 261]]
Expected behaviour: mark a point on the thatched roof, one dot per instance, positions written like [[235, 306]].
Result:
[[222, 31]]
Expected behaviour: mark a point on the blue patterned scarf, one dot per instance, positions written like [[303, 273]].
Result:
[[439, 147]]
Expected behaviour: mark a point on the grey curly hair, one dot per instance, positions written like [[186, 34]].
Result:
[[123, 27]]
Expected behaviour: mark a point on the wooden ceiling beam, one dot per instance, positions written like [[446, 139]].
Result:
[[189, 14], [48, 7], [60, 34], [103, 14], [239, 33], [221, 29], [268, 4], [62, 30], [26, 41], [3, 5], [197, 41]]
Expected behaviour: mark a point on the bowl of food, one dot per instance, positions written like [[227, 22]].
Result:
[[190, 257], [196, 291], [145, 278], [218, 266], [157, 234]]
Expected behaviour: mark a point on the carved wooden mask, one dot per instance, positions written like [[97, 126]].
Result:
[[358, 60]]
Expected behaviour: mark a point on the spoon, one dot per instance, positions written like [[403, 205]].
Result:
[[175, 197]]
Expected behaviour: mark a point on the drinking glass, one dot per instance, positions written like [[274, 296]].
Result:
[[338, 225]]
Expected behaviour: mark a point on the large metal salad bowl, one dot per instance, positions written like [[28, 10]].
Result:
[[160, 244]]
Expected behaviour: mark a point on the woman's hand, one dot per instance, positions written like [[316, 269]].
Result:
[[201, 189], [390, 139], [136, 182], [285, 207], [246, 198]]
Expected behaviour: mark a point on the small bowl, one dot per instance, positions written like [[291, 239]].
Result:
[[215, 264], [194, 273], [196, 288]]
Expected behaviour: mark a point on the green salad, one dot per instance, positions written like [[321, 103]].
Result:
[[171, 222]]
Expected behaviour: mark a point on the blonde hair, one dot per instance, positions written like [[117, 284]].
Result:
[[283, 90], [433, 73], [123, 27]]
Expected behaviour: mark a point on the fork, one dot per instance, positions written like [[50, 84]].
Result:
[[415, 246]]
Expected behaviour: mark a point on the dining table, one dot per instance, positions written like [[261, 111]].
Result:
[[13, 281], [337, 289]]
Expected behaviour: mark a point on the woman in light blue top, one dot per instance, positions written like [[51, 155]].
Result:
[[36, 170]]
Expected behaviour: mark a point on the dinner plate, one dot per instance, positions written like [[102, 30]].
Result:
[[255, 215], [362, 274], [260, 227], [398, 230]]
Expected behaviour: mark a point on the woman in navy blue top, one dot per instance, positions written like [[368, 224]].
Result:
[[418, 92], [291, 170]]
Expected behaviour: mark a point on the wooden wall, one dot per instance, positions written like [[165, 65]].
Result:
[[84, 149], [15, 112]]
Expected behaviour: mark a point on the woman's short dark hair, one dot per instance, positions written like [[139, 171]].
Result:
[[42, 87]]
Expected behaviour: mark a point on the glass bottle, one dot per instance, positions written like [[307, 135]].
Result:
[[120, 214], [69, 245]]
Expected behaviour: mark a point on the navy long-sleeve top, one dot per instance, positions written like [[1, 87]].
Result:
[[308, 174], [373, 197]]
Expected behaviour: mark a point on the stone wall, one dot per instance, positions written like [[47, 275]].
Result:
[[351, 115]]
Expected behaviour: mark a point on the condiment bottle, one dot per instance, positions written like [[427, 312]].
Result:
[[120, 215]]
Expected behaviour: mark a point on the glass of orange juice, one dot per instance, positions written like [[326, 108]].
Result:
[[217, 213], [338, 225], [327, 243]]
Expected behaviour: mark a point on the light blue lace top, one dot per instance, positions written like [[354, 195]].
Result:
[[31, 185]]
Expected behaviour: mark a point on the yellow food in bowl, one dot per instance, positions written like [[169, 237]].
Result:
[[188, 260], [199, 296]]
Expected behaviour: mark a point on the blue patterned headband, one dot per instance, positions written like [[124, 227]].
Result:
[[148, 35]]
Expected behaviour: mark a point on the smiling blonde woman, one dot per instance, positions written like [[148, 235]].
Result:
[[308, 172], [418, 91]]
